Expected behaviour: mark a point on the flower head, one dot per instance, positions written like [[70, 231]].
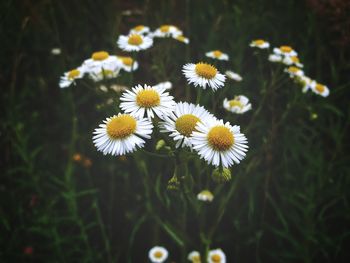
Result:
[[140, 29], [239, 104], [292, 60], [182, 122], [217, 54], [260, 43], [147, 100], [127, 63], [294, 72], [203, 74], [219, 143], [285, 50], [275, 58], [182, 39], [167, 31], [232, 75], [167, 85], [194, 257], [69, 77], [319, 89], [134, 42], [158, 254], [216, 256], [205, 196], [121, 134]]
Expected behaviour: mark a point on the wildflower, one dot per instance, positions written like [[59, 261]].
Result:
[[140, 29], [127, 63], [205, 196], [77, 157], [134, 42], [69, 77], [118, 88], [158, 254], [167, 31], [194, 257], [292, 60], [294, 72], [182, 39], [221, 175], [182, 122], [259, 43], [232, 75], [275, 58], [203, 74], [147, 100], [219, 143], [56, 51], [167, 85], [305, 82], [285, 50], [109, 71], [319, 89], [240, 104], [217, 54], [100, 60], [121, 134], [216, 256]]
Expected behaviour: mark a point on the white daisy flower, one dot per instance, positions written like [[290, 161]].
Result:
[[288, 60], [305, 82], [275, 58], [99, 60], [194, 257], [140, 29], [232, 75], [147, 100], [167, 85], [121, 134], [219, 143], [240, 104], [260, 43], [182, 122], [319, 89], [167, 31], [158, 254], [56, 51], [182, 39], [285, 50], [203, 74], [108, 72], [216, 256], [127, 63], [205, 196], [217, 54], [134, 42], [294, 72], [69, 77]]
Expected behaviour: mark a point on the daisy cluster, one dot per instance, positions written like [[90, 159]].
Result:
[[287, 56], [159, 254], [102, 65]]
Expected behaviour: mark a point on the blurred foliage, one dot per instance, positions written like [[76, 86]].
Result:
[[288, 200]]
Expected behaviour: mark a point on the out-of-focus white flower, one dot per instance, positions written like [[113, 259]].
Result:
[[275, 58], [216, 256], [158, 254], [140, 29], [294, 72], [217, 54], [285, 50], [167, 85], [288, 60], [259, 43], [167, 31], [240, 104], [233, 75], [56, 51], [69, 77], [205, 196], [182, 39], [319, 89], [134, 42]]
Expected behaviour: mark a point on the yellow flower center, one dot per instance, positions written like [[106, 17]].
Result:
[[121, 126], [100, 55], [216, 258], [217, 53], [295, 59], [186, 124], [259, 42], [205, 70], [320, 88], [73, 74], [127, 61], [235, 103], [165, 28], [158, 254], [220, 138], [181, 38], [147, 98], [138, 28], [286, 49], [293, 69], [135, 40]]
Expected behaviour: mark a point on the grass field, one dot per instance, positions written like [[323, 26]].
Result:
[[63, 201]]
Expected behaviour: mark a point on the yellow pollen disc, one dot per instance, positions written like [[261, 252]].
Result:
[[293, 69], [165, 28], [186, 124], [235, 103], [101, 55], [259, 42], [320, 88], [135, 40], [217, 53], [127, 61], [147, 98], [216, 258], [205, 70], [295, 59], [158, 254], [220, 138], [139, 28], [121, 126], [286, 49], [73, 74]]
